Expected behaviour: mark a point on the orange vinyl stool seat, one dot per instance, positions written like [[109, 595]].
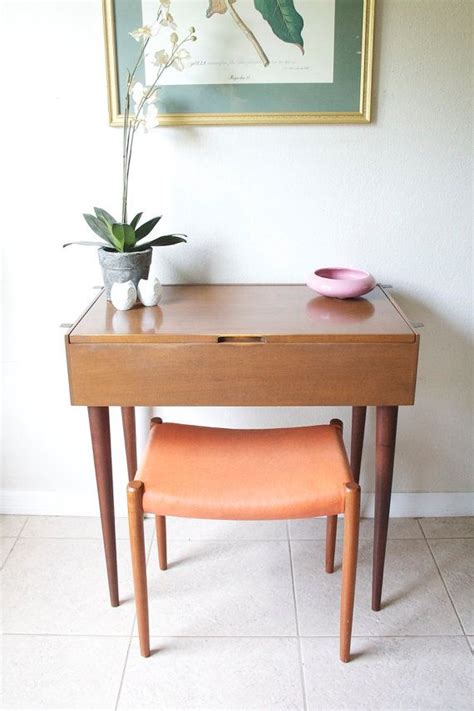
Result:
[[214, 473]]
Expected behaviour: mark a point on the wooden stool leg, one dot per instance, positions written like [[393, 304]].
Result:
[[349, 566], [161, 539], [331, 530], [137, 542], [331, 524]]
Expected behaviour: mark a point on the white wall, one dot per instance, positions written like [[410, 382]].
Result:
[[260, 204]]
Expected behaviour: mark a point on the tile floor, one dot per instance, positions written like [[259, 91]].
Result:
[[245, 618]]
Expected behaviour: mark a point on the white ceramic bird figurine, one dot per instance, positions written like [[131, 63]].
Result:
[[123, 295], [150, 291]]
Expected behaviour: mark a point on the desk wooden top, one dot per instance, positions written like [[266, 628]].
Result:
[[272, 313]]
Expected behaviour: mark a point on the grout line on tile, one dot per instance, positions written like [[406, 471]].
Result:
[[441, 538], [469, 644], [451, 538], [302, 680], [390, 538], [16, 541], [293, 589], [300, 653], [123, 673], [240, 541], [67, 538], [302, 666], [228, 636], [418, 520], [383, 636], [23, 527], [9, 552], [445, 586], [224, 636], [62, 634]]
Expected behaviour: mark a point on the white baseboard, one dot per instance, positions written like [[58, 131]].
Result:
[[51, 503], [424, 504]]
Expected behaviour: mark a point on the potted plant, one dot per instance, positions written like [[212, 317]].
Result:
[[126, 249]]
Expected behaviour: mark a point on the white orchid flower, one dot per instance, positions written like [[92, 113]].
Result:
[[168, 21], [139, 92], [182, 60], [145, 32], [161, 58], [149, 119], [141, 111]]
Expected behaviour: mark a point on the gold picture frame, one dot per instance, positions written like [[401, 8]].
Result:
[[361, 114]]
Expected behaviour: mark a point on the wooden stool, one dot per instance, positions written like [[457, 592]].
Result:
[[204, 472]]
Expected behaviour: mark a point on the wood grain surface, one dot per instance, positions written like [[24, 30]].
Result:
[[273, 313], [274, 374]]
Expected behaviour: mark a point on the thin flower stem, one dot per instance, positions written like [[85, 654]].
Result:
[[152, 88], [127, 127], [132, 137], [142, 53], [131, 123], [126, 133]]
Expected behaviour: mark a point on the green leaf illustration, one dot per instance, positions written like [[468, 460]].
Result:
[[283, 18]]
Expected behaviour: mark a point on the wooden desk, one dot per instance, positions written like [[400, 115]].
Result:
[[245, 345]]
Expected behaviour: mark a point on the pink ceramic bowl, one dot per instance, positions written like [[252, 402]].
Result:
[[341, 282]]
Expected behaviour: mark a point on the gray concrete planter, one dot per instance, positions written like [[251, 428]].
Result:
[[124, 266]]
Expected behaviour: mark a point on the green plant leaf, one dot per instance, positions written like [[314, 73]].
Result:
[[96, 244], [283, 18], [130, 238], [136, 220], [118, 232], [146, 228], [104, 216], [163, 241], [99, 228]]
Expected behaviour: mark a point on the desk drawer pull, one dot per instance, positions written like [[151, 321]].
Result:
[[241, 339]]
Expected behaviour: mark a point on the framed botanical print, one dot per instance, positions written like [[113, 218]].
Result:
[[255, 61]]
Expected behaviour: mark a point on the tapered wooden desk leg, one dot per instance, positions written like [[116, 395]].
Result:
[[130, 437], [99, 423], [357, 439], [384, 457]]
